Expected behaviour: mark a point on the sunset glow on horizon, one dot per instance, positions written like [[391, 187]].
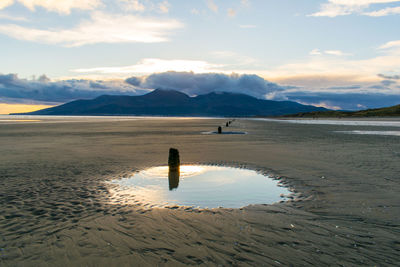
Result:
[[6, 109]]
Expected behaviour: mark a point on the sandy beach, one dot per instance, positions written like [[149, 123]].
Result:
[[57, 208]]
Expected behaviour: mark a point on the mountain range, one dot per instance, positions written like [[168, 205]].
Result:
[[162, 102]]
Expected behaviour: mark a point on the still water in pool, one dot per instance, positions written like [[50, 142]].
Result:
[[202, 186]]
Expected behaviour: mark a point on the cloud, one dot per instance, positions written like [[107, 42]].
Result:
[[195, 11], [323, 104], [18, 90], [212, 6], [388, 82], [12, 17], [248, 26], [391, 44], [236, 61], [135, 81], [231, 12], [197, 84], [60, 6], [245, 2], [151, 65], [341, 97], [5, 3], [384, 12], [323, 63], [348, 87], [45, 90], [334, 8], [134, 5], [390, 77], [343, 100], [335, 53], [101, 28], [317, 52], [164, 7]]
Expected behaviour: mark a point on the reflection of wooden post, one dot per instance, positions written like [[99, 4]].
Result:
[[219, 129], [173, 179], [173, 170]]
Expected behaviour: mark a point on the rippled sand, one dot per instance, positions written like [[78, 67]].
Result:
[[55, 208]]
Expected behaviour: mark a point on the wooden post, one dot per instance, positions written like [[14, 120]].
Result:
[[173, 168], [173, 159]]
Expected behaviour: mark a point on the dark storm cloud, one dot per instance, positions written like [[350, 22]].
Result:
[[133, 81], [42, 89], [197, 84]]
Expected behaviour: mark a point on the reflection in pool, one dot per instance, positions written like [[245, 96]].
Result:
[[201, 186]]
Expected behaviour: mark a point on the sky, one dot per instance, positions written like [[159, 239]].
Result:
[[339, 54]]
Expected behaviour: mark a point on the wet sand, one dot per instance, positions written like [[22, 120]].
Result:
[[56, 208]]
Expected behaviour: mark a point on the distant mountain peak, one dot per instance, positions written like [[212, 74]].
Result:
[[166, 91]]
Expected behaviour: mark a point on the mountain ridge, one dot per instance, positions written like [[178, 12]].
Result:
[[164, 102], [392, 111]]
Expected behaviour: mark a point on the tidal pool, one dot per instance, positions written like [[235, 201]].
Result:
[[392, 123], [201, 186], [393, 133]]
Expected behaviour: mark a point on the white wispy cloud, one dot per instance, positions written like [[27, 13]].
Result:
[[323, 104], [236, 61], [248, 26], [245, 2], [195, 11], [101, 28], [12, 17], [334, 67], [155, 65], [391, 44], [384, 12], [60, 6], [335, 53], [6, 3], [164, 7], [231, 12], [212, 6], [134, 5], [317, 52], [334, 8]]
